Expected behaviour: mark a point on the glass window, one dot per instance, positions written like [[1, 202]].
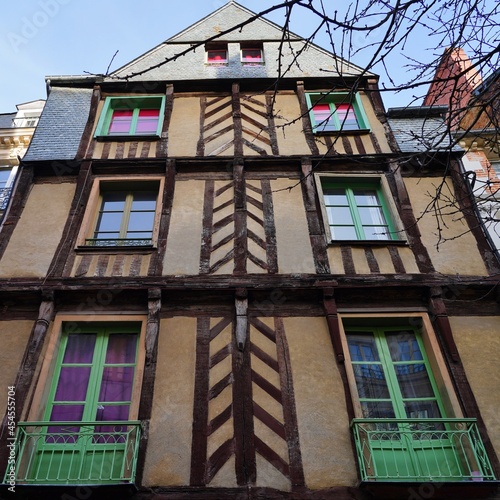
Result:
[[393, 378], [131, 116], [125, 217], [251, 55], [356, 210], [338, 111], [217, 56]]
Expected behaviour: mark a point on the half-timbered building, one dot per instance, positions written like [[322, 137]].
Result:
[[221, 279]]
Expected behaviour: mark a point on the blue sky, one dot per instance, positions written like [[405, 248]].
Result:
[[70, 37]]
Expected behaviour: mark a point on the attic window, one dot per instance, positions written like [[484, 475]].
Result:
[[131, 116], [336, 112], [216, 54], [252, 55]]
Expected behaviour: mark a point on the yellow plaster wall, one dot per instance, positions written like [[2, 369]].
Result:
[[168, 458], [324, 435], [289, 132], [184, 129], [292, 234], [182, 255], [14, 336], [456, 256], [376, 127], [478, 342], [38, 231]]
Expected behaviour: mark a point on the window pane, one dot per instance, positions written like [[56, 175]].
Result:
[[422, 409], [70, 413], [113, 201], [343, 233], [144, 200], [377, 409], [403, 346], [4, 177], [121, 348], [372, 216], [377, 233], [116, 383], [370, 381], [339, 215], [109, 222], [80, 348], [141, 221], [217, 56], [323, 116], [147, 122], [336, 197], [72, 384], [414, 381], [251, 55], [347, 117], [362, 347], [366, 197], [115, 412], [121, 121]]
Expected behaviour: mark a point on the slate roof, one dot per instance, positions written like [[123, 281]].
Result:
[[6, 119], [312, 62], [421, 129], [61, 125]]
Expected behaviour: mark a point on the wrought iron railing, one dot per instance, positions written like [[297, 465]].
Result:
[[423, 450], [75, 452], [118, 242], [5, 194]]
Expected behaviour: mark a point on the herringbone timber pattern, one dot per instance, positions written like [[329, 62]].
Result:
[[219, 229]]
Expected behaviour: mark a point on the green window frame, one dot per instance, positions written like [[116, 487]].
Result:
[[126, 215], [393, 376], [96, 365], [142, 116], [337, 112], [356, 210]]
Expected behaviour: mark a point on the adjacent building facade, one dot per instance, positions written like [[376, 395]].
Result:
[[16, 131], [222, 279], [473, 113]]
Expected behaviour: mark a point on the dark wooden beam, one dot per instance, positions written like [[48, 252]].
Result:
[[148, 381]]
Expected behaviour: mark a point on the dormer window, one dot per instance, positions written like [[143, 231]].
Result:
[[216, 54], [336, 112], [252, 55], [131, 116]]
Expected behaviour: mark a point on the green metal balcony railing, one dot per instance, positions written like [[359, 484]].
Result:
[[443, 449], [76, 452]]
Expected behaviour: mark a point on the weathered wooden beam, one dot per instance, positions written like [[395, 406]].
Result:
[[26, 373], [316, 232], [87, 142], [162, 144], [148, 380], [241, 305], [306, 122], [407, 215], [238, 126], [332, 320]]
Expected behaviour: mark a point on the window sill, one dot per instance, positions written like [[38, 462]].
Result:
[[123, 138], [361, 131], [116, 249], [369, 243]]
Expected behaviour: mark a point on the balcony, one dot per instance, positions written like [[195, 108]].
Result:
[[5, 194], [75, 453], [446, 453]]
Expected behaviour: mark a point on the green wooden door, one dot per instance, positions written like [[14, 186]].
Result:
[[394, 381], [91, 385]]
